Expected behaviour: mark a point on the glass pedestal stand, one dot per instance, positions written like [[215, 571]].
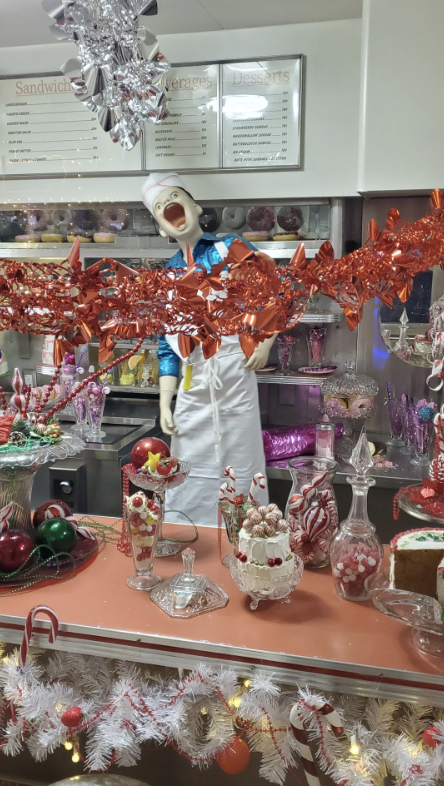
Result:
[[17, 472], [165, 547]]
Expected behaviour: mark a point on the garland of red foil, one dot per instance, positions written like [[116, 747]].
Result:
[[254, 299]]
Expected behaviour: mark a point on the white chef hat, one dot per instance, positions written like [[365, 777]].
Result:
[[156, 183]]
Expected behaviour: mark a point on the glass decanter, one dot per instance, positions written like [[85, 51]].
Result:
[[356, 551]]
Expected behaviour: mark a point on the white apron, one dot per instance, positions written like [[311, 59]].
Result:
[[218, 423]]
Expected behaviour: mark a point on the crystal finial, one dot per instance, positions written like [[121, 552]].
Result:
[[404, 320], [361, 458]]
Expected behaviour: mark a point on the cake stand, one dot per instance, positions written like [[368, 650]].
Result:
[[18, 467], [422, 613], [411, 501], [165, 547], [279, 589]]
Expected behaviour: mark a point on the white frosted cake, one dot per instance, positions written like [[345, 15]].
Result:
[[414, 559], [264, 553]]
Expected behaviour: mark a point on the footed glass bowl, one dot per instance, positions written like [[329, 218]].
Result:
[[279, 589], [422, 613]]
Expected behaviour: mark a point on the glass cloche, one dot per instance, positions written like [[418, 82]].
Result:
[[349, 395]]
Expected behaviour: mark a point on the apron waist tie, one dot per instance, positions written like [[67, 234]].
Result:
[[210, 374]]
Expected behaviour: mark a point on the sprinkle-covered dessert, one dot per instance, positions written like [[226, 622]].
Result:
[[142, 515], [415, 556], [159, 466]]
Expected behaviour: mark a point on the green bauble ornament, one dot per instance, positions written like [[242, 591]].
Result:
[[59, 534]]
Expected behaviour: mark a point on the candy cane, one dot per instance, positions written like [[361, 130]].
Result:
[[231, 485], [27, 633], [258, 480], [298, 729]]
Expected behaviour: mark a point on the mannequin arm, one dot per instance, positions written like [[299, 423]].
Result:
[[260, 354], [167, 387]]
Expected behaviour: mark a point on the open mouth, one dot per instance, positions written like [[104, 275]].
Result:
[[175, 215]]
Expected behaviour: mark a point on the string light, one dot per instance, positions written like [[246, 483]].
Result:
[[75, 757], [203, 711], [247, 683], [354, 747], [68, 745], [235, 701]]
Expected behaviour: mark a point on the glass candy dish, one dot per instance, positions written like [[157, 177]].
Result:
[[278, 589], [187, 594], [420, 612], [349, 397], [165, 547]]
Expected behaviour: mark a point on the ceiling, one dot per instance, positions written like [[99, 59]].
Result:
[[23, 22]]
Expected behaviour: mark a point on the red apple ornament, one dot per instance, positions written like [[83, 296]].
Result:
[[52, 509], [139, 453], [15, 548], [235, 758]]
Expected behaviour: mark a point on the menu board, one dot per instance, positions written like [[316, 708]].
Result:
[[44, 129], [188, 138], [261, 113]]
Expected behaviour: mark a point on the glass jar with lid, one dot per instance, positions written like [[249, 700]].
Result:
[[349, 395]]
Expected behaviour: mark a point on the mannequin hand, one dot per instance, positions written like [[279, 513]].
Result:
[[167, 422], [260, 354]]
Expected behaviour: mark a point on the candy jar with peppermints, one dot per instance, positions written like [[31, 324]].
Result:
[[356, 551]]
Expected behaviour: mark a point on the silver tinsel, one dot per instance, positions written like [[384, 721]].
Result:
[[119, 72]]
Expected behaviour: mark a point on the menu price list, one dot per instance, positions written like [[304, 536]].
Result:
[[261, 113], [188, 138], [44, 129]]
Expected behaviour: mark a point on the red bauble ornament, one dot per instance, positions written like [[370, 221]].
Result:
[[428, 737], [235, 758], [52, 509], [72, 717], [139, 453], [15, 548]]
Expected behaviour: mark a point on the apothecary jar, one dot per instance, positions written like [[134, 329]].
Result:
[[311, 509]]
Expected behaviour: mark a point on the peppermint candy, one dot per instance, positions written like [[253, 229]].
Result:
[[316, 521]]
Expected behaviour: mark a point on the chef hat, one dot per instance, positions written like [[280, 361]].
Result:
[[156, 183]]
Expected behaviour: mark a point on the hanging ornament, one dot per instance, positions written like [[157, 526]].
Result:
[[119, 73], [15, 549], [235, 758], [59, 534], [72, 717], [429, 737]]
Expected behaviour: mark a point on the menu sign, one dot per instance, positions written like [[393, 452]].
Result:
[[188, 138], [44, 129], [261, 113]]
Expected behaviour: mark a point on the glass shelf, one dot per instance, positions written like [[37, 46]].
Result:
[[291, 379]]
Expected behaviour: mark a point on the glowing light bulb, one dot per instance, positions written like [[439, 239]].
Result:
[[68, 745], [236, 701], [354, 750], [203, 711], [75, 757], [247, 683]]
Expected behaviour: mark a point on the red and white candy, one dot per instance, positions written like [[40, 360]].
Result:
[[316, 520], [351, 571]]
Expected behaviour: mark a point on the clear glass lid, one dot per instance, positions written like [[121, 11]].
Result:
[[349, 383]]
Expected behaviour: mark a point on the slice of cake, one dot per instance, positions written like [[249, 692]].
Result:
[[414, 559], [264, 552]]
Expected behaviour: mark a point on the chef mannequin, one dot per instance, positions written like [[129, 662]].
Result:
[[216, 419]]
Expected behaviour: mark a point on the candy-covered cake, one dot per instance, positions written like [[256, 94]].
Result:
[[264, 549], [414, 559]]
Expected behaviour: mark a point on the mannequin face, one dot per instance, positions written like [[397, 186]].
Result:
[[177, 215]]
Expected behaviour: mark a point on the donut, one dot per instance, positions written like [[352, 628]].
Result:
[[360, 402], [38, 220], [82, 238], [61, 218], [290, 218], [86, 219], [261, 219], [255, 236], [27, 238], [51, 237], [113, 218], [233, 217], [335, 403], [285, 237], [104, 237], [209, 221]]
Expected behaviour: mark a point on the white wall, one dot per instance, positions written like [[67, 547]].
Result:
[[332, 51], [402, 96]]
